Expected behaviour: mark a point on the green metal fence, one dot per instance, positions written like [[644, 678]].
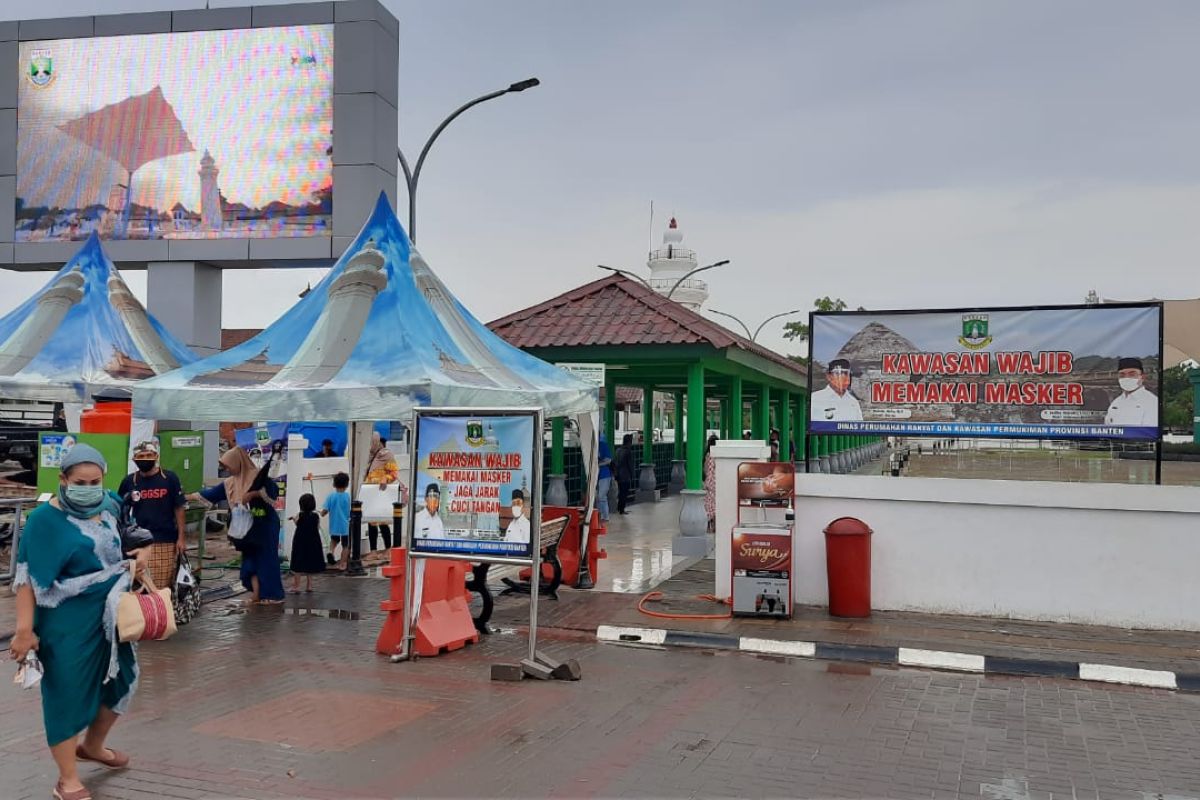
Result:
[[573, 467], [664, 455]]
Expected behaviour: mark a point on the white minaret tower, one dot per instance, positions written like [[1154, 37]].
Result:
[[334, 337], [671, 262], [31, 336], [210, 194], [149, 343]]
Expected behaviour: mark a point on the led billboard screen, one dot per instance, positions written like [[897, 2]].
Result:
[[194, 135]]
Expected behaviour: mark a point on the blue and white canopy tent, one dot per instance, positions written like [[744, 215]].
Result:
[[379, 336], [83, 336]]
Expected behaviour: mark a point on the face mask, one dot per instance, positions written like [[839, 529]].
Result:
[[1129, 384], [432, 506], [840, 383], [84, 496], [516, 510], [145, 465]]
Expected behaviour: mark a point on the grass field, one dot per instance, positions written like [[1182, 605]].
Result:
[[1048, 465]]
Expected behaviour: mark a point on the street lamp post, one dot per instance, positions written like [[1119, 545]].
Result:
[[411, 176], [753, 336], [678, 283]]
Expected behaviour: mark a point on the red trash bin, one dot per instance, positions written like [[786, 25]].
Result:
[[848, 563]]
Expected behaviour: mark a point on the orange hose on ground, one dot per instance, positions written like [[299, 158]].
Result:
[[657, 595]]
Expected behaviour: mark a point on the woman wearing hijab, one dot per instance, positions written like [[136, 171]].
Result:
[[260, 549], [69, 575], [710, 484], [382, 470]]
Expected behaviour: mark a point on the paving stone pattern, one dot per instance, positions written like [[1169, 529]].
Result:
[[292, 704], [1055, 641]]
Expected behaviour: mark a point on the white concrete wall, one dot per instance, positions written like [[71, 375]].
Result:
[[1110, 554]]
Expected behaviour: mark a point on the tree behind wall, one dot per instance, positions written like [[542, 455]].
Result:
[[800, 330]]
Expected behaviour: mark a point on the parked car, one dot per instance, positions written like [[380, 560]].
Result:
[[21, 424]]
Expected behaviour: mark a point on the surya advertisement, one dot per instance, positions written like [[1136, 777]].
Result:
[[196, 135], [1064, 372], [761, 560], [473, 488]]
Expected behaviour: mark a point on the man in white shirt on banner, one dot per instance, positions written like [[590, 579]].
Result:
[[427, 524], [518, 530], [1136, 406], [835, 402]]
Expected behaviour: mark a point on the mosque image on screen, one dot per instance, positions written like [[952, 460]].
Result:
[[199, 135]]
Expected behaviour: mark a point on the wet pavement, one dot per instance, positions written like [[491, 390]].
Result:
[[1177, 651], [639, 547], [292, 703]]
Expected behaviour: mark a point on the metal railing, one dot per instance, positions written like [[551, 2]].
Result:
[[673, 253], [668, 283], [18, 506]]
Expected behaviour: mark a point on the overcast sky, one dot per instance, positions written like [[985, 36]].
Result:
[[896, 154]]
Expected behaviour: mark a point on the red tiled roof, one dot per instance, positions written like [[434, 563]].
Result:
[[232, 337], [618, 311]]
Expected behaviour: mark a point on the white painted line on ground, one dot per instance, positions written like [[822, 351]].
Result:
[[1157, 679], [940, 659], [613, 633], [777, 647]]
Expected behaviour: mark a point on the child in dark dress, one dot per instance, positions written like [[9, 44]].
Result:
[[308, 554]]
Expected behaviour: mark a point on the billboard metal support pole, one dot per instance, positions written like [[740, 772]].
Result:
[[1158, 440], [535, 533]]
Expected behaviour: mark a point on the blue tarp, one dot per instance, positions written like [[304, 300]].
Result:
[[83, 335], [377, 337], [315, 432]]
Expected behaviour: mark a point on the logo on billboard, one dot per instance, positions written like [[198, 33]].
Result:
[[41, 68], [475, 436], [975, 334]]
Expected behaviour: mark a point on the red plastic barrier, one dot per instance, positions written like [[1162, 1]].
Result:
[[595, 531], [392, 634], [568, 545], [445, 622]]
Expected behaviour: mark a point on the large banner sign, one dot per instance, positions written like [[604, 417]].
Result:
[[1068, 372], [473, 489]]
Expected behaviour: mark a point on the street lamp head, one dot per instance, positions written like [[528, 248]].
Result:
[[721, 263], [521, 86]]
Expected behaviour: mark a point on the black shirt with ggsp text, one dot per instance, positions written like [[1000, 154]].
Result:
[[155, 501]]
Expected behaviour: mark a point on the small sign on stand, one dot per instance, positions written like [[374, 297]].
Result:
[[476, 496], [761, 546]]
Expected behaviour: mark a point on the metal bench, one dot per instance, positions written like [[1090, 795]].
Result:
[[552, 532]]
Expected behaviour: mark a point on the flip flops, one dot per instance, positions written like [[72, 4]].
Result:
[[118, 761], [79, 794]]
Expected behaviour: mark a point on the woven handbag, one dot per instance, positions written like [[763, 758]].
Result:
[[145, 613]]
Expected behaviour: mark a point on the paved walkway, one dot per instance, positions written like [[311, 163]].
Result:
[[639, 547], [291, 703], [1177, 651]]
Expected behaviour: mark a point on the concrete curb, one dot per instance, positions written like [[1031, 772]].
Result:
[[906, 657]]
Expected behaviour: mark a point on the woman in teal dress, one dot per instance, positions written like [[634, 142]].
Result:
[[70, 573]]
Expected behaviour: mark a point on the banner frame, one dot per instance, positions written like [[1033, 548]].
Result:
[[1146, 304], [535, 511]]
